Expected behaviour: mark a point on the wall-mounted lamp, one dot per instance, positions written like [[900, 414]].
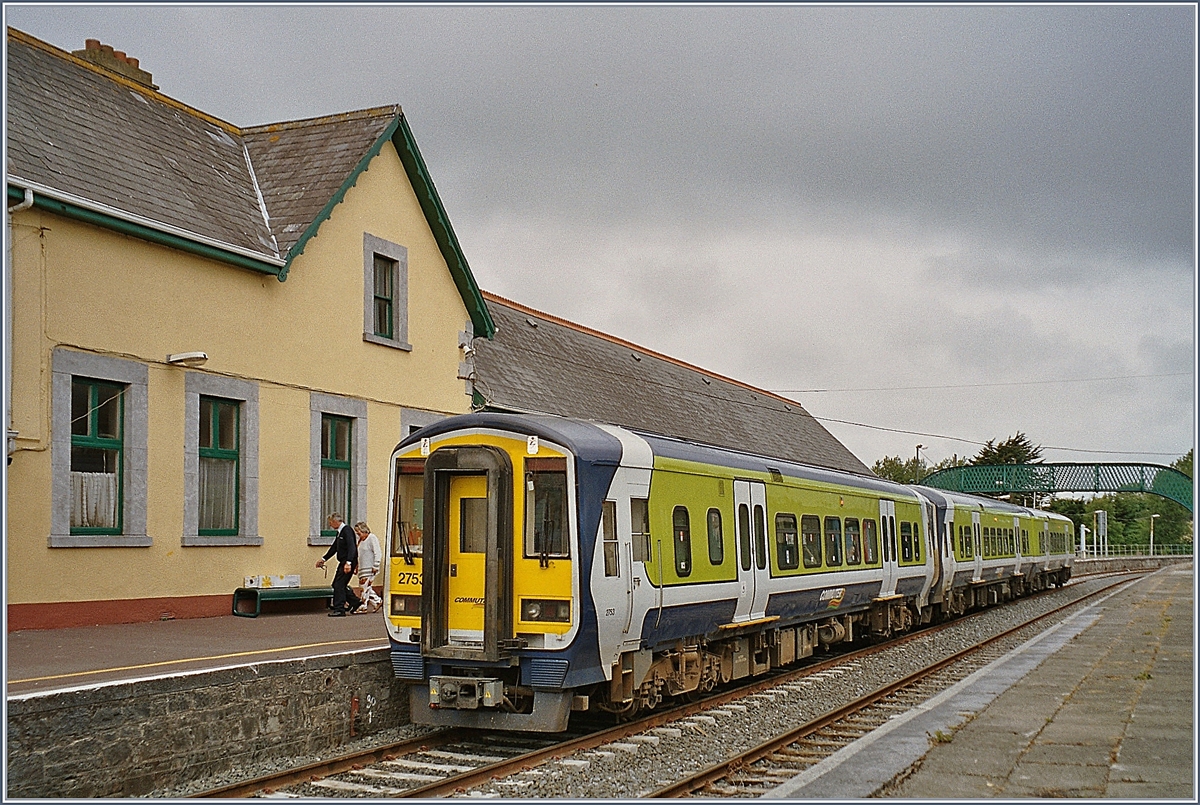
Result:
[[187, 358]]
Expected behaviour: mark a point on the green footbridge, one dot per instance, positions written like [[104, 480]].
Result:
[[1152, 479]]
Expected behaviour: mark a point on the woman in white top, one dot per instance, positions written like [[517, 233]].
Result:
[[369, 556]]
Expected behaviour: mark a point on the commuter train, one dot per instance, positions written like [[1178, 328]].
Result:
[[539, 565]]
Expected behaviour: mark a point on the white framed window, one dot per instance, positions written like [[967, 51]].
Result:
[[385, 293], [220, 461], [98, 451]]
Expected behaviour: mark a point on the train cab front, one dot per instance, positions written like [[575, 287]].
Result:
[[484, 628]]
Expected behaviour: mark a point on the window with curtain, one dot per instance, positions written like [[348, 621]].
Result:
[[335, 469], [220, 424], [97, 446]]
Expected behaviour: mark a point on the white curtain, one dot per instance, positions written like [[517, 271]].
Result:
[[218, 498], [335, 493], [93, 500]]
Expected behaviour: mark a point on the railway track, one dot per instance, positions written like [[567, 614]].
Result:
[[447, 762], [756, 771]]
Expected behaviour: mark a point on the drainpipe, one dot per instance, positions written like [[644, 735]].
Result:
[[11, 435]]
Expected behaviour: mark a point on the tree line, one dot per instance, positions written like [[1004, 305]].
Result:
[[1129, 513]]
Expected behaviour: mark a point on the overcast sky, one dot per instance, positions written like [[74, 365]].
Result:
[[861, 200]]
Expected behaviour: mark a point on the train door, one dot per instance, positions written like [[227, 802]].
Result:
[[466, 589], [978, 540], [949, 560], [933, 547], [887, 535], [621, 584], [754, 566], [468, 548], [1017, 545]]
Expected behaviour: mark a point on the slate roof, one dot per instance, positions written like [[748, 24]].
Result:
[[561, 368], [89, 140], [302, 164], [79, 129]]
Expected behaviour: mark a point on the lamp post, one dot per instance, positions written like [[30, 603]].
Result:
[[1153, 517], [919, 462]]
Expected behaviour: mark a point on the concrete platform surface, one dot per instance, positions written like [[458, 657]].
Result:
[[1102, 706], [58, 659]]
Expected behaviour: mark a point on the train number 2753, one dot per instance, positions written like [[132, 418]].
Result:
[[409, 578]]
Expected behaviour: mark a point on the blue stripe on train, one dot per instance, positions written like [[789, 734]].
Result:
[[822, 601], [685, 620]]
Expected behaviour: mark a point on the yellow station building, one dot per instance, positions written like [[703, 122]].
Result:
[[217, 335]]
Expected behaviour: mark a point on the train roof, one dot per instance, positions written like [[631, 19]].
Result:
[[591, 443], [684, 450], [584, 439], [942, 496]]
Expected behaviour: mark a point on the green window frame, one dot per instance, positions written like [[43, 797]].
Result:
[[336, 475], [384, 283], [97, 451], [219, 467]]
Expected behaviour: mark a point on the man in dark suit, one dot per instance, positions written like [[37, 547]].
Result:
[[345, 545]]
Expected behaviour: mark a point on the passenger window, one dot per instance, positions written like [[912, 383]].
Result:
[[833, 541], [853, 542], [906, 552], [810, 540], [786, 546], [682, 532], [608, 522], [639, 510], [744, 535], [545, 510], [916, 528], [760, 537], [870, 541], [716, 545]]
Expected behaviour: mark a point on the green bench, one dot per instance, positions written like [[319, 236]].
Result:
[[260, 594]]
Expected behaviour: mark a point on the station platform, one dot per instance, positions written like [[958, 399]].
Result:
[[62, 659], [1101, 706]]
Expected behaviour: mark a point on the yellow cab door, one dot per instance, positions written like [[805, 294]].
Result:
[[468, 527]]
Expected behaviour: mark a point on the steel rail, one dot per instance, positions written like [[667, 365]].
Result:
[[725, 768], [325, 768]]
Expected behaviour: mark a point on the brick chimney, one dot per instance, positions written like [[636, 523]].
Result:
[[114, 60]]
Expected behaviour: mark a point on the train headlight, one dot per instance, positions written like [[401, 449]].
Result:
[[409, 605], [533, 609]]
